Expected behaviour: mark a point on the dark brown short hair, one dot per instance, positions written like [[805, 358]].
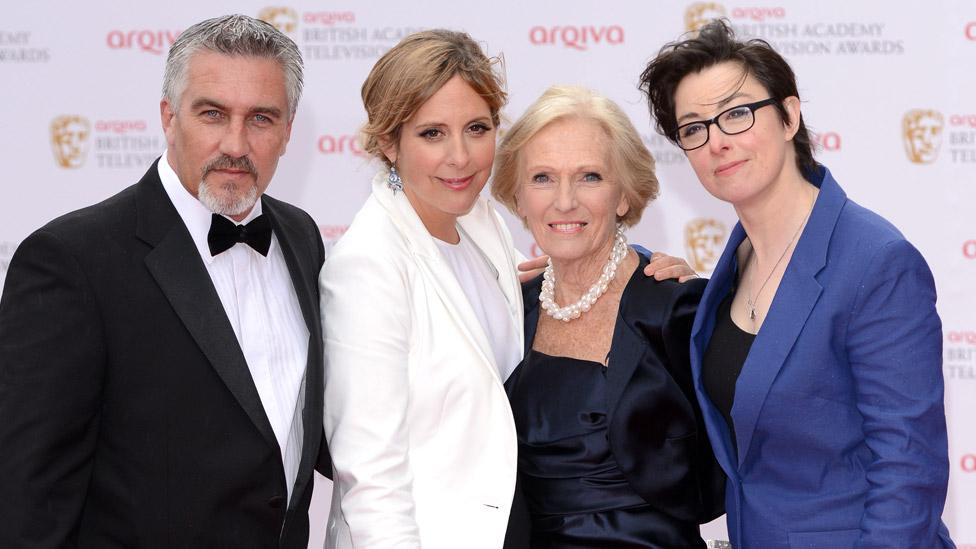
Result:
[[713, 44]]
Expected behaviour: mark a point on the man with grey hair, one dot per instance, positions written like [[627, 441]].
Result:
[[160, 352]]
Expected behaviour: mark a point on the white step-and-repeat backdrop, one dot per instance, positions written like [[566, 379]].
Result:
[[889, 88]]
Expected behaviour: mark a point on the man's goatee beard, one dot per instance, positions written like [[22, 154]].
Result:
[[230, 203]]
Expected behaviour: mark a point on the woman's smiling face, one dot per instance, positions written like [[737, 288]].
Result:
[[569, 193]]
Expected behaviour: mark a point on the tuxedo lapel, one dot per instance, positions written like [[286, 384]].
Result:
[[176, 266], [795, 298], [303, 270]]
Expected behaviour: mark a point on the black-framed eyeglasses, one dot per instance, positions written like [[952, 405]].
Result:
[[738, 119]]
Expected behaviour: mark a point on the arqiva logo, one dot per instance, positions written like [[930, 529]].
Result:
[[577, 37], [961, 336], [151, 41], [968, 463], [332, 233], [339, 144], [758, 14], [970, 31], [969, 249], [828, 141], [328, 18], [120, 126], [963, 120]]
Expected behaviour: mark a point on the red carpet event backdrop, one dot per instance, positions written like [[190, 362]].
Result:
[[888, 88]]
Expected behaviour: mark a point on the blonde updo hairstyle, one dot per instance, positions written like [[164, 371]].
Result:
[[411, 72], [629, 157]]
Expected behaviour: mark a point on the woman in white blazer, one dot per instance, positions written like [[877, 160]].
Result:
[[423, 314]]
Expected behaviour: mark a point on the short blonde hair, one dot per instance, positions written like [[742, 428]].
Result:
[[413, 71], [629, 156]]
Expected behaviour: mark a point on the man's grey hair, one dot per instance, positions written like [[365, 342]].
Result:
[[236, 35]]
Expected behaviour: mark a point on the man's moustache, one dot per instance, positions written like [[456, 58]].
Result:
[[225, 162]]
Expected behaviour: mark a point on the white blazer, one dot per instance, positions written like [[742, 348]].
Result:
[[417, 420]]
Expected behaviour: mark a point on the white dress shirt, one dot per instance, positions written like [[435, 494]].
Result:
[[261, 304]]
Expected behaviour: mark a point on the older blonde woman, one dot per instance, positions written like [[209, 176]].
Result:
[[612, 448]]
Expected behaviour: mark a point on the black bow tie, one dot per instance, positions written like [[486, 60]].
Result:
[[224, 233]]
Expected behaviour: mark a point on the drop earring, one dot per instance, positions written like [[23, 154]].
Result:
[[393, 180]]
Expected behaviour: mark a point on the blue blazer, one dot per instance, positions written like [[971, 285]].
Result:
[[838, 411]]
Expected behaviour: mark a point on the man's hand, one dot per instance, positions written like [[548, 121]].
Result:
[[663, 267], [532, 268]]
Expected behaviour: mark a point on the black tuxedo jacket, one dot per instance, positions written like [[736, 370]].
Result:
[[128, 417], [656, 430]]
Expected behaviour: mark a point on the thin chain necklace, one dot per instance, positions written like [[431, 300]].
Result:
[[586, 301], [752, 249]]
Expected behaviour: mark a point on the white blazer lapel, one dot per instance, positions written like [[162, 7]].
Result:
[[435, 268], [489, 233]]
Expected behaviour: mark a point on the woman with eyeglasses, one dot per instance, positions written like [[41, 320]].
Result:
[[817, 349]]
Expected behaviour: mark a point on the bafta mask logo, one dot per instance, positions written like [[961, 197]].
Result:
[[281, 18], [69, 140], [704, 239], [922, 132], [700, 13]]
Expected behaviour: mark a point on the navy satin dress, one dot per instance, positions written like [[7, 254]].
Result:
[[576, 493]]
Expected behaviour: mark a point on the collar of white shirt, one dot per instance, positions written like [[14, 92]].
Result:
[[195, 215]]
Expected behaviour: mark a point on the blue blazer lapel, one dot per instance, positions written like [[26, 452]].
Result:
[[795, 298], [701, 333]]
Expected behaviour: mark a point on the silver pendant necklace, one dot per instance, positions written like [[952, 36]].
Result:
[[752, 254]]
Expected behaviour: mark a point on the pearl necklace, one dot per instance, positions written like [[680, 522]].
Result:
[[586, 301]]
